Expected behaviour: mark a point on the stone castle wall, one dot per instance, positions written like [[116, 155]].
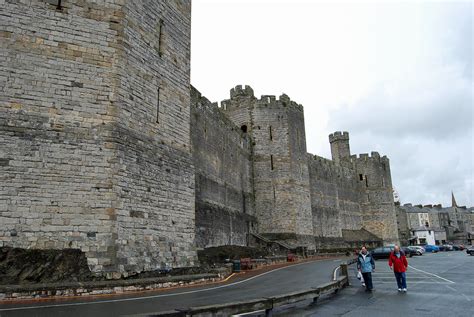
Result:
[[155, 171], [335, 197], [85, 164], [56, 128], [379, 215], [225, 204]]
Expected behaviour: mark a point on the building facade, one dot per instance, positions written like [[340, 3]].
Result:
[[448, 224]]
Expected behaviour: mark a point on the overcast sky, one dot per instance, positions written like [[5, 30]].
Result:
[[397, 75]]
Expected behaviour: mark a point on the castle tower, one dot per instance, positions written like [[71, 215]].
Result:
[[281, 178], [94, 131], [377, 204], [339, 146]]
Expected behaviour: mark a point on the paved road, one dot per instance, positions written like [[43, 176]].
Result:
[[284, 280], [439, 284]]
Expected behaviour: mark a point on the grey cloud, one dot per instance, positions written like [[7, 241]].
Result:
[[442, 111]]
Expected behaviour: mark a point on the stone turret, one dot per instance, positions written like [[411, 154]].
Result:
[[276, 126], [339, 146], [377, 203]]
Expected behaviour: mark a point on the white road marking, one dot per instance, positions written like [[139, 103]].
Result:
[[151, 296], [441, 278], [452, 288], [416, 283], [411, 278]]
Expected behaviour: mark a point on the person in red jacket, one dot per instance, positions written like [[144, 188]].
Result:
[[398, 263]]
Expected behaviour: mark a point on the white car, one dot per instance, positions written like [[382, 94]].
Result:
[[418, 249]]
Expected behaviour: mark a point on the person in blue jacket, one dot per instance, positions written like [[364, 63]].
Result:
[[366, 265]]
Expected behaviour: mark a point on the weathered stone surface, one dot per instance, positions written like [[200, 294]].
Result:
[[95, 145], [225, 203], [21, 266], [281, 178]]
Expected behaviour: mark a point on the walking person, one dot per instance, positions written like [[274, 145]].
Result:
[[398, 263], [366, 265]]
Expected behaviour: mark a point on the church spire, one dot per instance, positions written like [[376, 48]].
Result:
[[453, 200]]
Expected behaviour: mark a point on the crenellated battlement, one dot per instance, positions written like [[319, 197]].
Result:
[[374, 156], [198, 100], [282, 101], [326, 169], [200, 105], [247, 92], [287, 102], [267, 99], [338, 136], [321, 159], [326, 163], [239, 91]]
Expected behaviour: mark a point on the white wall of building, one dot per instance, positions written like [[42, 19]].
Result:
[[425, 237]]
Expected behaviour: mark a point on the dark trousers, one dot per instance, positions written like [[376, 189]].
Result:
[[368, 281], [401, 279]]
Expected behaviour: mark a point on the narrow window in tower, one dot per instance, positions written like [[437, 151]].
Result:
[[361, 177], [271, 133], [297, 139], [274, 193], [158, 105], [56, 3], [244, 207], [271, 161], [160, 38], [384, 168], [366, 181]]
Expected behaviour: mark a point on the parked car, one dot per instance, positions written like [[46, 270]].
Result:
[[417, 250], [446, 247], [408, 252], [458, 247], [384, 252], [470, 250], [431, 248], [381, 253]]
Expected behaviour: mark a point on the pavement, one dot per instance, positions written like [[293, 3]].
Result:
[[280, 281], [440, 284]]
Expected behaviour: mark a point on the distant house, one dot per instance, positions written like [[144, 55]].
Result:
[[435, 224], [423, 235]]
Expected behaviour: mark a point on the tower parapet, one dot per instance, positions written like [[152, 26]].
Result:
[[338, 136], [239, 91]]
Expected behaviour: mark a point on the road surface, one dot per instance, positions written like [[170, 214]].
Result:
[[288, 279], [440, 284]]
